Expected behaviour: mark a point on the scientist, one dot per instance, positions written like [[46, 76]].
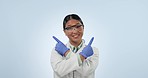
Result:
[[75, 59]]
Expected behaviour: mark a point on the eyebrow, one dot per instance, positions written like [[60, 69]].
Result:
[[74, 25]]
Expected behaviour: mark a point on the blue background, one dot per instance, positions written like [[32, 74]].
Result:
[[120, 28]]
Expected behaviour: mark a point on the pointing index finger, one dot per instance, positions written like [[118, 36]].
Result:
[[90, 42], [56, 39]]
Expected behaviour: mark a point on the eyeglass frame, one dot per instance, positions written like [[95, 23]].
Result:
[[72, 27]]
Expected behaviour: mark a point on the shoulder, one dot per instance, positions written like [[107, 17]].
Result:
[[95, 49], [55, 54]]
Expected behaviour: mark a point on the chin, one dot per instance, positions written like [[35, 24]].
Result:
[[76, 40]]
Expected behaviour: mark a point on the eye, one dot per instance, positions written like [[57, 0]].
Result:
[[78, 26], [68, 28]]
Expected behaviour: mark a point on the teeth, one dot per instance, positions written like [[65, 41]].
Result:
[[75, 36]]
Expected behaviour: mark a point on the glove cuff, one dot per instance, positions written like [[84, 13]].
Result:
[[81, 53], [65, 51]]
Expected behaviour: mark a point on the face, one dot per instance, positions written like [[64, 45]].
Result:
[[74, 31]]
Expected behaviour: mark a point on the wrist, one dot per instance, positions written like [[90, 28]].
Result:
[[82, 57], [65, 54], [83, 54]]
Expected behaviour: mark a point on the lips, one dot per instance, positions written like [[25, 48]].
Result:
[[75, 36]]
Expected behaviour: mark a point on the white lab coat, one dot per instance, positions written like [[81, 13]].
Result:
[[69, 67]]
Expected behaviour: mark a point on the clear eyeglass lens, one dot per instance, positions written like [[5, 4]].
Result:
[[78, 27]]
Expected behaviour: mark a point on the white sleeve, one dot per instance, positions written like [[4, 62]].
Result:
[[63, 66], [90, 64]]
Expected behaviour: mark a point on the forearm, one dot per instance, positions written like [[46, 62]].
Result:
[[64, 66], [90, 64]]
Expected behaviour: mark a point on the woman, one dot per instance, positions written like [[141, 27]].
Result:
[[75, 59]]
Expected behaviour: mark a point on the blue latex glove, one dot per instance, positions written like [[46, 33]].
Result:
[[87, 51], [60, 47]]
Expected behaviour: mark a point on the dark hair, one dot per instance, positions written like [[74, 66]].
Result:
[[69, 17]]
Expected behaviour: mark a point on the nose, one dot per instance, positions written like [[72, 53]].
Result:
[[74, 29]]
